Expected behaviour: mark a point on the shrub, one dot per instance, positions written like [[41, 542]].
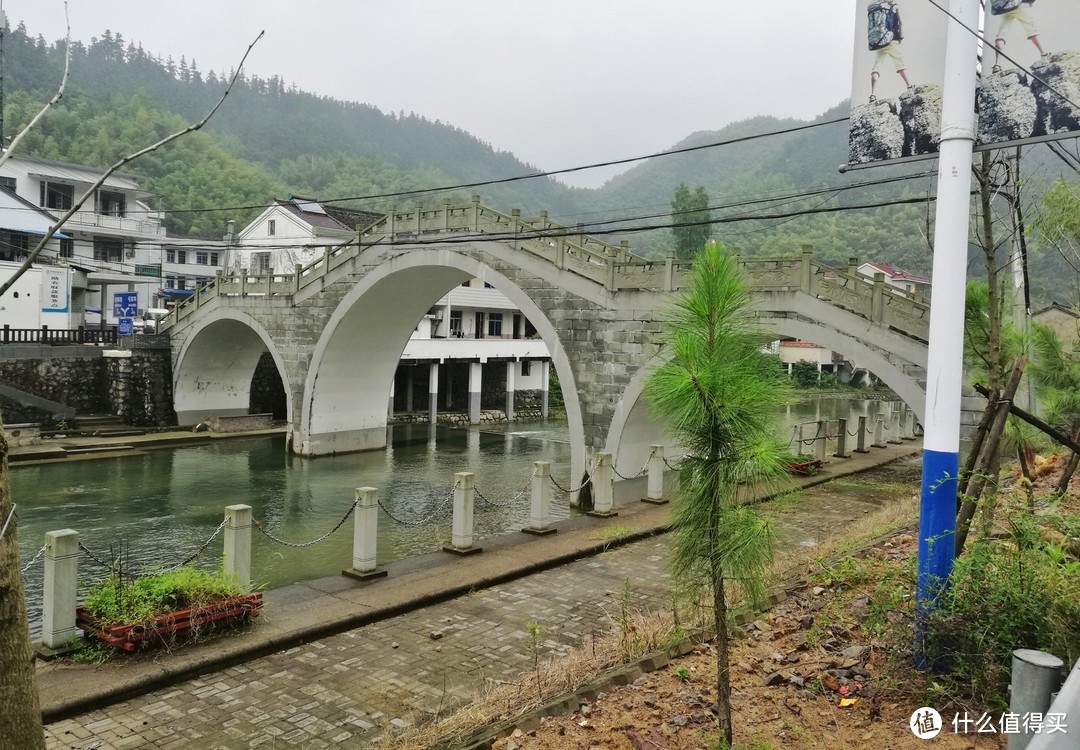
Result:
[[805, 374], [114, 601]]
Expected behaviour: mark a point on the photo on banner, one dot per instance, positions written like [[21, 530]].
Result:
[[1029, 83]]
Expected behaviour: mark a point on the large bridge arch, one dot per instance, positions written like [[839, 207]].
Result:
[[213, 369], [363, 338]]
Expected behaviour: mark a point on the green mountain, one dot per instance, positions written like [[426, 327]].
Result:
[[770, 195]]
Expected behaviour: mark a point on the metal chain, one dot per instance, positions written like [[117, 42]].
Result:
[[86, 551], [37, 557], [511, 501], [199, 551], [675, 467], [426, 519], [643, 468], [295, 545], [563, 489]]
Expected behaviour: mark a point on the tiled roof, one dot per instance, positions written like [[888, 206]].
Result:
[[327, 217], [899, 274]]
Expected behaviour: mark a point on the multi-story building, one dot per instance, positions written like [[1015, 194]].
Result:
[[113, 241]]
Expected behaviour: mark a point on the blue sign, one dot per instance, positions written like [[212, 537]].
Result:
[[123, 326], [125, 305]]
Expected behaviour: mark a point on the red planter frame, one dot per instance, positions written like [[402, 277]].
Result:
[[131, 637]]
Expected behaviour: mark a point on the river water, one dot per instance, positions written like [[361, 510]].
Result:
[[159, 506]]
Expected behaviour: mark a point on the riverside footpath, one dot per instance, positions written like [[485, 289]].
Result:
[[337, 662]]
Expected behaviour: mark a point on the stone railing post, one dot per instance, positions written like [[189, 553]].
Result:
[[655, 491], [391, 221], [297, 275], [852, 266], [877, 301], [540, 508], [365, 536], [879, 428], [238, 543], [806, 271], [841, 439], [1036, 676], [476, 213], [243, 282], [603, 487], [61, 587], [669, 271], [461, 539], [820, 438], [609, 258], [860, 443], [446, 215]]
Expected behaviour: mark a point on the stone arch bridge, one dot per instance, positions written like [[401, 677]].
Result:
[[337, 327]]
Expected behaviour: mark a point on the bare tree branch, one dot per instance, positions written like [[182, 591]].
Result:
[[29, 262], [51, 103]]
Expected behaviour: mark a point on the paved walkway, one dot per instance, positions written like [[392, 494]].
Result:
[[368, 659]]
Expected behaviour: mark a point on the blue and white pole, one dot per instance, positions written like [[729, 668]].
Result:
[[944, 367]]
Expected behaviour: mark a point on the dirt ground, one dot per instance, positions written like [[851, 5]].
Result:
[[809, 674], [805, 675]]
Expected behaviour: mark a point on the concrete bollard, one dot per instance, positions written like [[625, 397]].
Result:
[[879, 428], [365, 536], [1035, 676], [894, 424], [461, 538], [238, 543], [61, 587], [907, 424], [655, 492], [841, 439], [540, 508], [603, 487], [860, 439], [819, 440]]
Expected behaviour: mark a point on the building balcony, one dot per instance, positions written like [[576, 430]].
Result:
[[472, 348], [88, 221]]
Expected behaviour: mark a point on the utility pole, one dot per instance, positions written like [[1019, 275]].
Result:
[[944, 367], [3, 33]]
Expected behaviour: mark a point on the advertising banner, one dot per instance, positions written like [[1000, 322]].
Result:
[[1029, 87]]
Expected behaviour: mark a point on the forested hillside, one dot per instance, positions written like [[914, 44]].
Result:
[[770, 195]]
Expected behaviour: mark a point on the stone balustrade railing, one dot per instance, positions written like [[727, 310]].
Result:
[[568, 248]]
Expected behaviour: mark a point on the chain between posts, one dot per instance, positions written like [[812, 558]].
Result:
[[200, 550], [512, 500], [36, 557], [560, 488], [675, 467], [426, 519], [86, 551], [300, 545], [640, 472]]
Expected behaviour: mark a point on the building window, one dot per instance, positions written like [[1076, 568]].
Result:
[[181, 282], [67, 248], [201, 258], [526, 367], [271, 227], [494, 324], [488, 286], [181, 257], [201, 281], [8, 183], [214, 259], [465, 283], [108, 250], [170, 282], [56, 196], [260, 263], [456, 329], [170, 256], [111, 204]]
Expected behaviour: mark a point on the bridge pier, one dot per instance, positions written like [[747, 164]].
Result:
[[476, 374], [433, 392]]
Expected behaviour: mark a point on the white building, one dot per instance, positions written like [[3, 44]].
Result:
[[113, 239], [898, 278]]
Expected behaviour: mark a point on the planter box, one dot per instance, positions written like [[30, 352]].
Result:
[[132, 637], [805, 468]]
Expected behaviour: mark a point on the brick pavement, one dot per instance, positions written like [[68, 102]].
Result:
[[345, 690]]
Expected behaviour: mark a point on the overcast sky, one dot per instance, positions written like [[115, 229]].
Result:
[[559, 83]]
